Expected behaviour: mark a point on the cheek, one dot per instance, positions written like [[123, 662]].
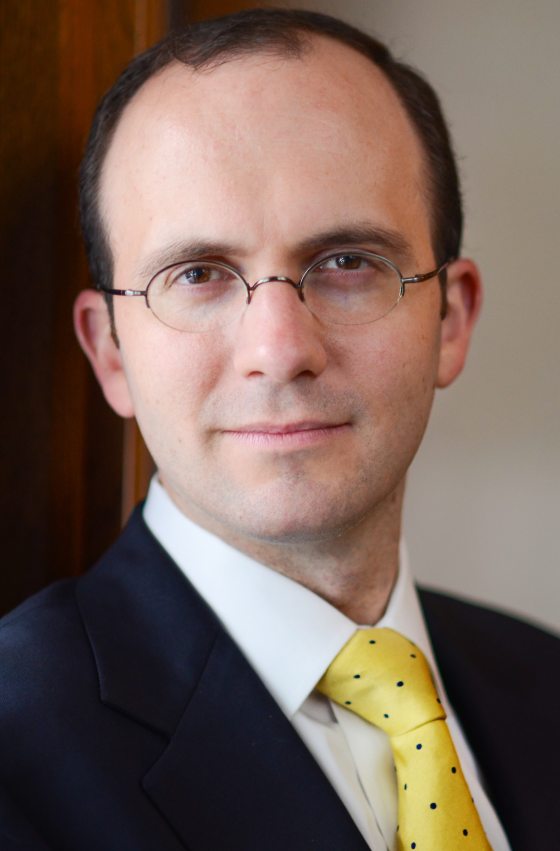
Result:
[[397, 351], [397, 375], [415, 376], [171, 377]]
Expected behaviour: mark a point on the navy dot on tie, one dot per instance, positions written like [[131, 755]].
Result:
[[413, 655], [465, 832], [438, 700], [348, 702], [372, 641], [413, 844], [357, 676], [405, 787], [385, 715], [418, 747], [433, 806], [400, 684], [453, 770]]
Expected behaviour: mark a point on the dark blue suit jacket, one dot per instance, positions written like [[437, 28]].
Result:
[[130, 721]]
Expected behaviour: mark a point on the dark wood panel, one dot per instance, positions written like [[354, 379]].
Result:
[[61, 448], [28, 86]]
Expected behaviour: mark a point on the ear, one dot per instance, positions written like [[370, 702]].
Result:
[[464, 300], [92, 325]]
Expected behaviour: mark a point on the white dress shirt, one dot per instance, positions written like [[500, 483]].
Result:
[[290, 635]]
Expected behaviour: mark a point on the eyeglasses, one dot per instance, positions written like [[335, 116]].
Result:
[[345, 288]]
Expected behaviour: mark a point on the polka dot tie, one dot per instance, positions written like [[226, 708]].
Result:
[[383, 677]]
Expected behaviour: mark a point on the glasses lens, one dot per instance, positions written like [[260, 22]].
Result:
[[351, 288], [197, 296]]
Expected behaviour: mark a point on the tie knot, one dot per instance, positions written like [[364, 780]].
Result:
[[385, 678]]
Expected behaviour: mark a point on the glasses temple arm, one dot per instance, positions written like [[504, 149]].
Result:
[[120, 292], [417, 279]]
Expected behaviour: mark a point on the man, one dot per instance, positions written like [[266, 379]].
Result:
[[271, 208]]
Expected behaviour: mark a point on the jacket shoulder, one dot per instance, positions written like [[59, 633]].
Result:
[[460, 617], [503, 651], [44, 642], [39, 626], [44, 653]]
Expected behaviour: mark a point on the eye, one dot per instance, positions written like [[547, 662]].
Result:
[[345, 263], [193, 275], [349, 261], [359, 271]]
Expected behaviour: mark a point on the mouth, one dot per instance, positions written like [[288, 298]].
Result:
[[287, 435]]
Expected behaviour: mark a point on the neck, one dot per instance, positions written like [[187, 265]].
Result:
[[354, 570]]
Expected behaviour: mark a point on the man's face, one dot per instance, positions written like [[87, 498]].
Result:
[[277, 427]]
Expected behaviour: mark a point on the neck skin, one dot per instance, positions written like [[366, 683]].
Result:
[[354, 570]]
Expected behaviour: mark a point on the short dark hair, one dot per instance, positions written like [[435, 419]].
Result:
[[284, 32]]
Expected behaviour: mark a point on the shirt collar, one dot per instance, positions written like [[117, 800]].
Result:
[[288, 634]]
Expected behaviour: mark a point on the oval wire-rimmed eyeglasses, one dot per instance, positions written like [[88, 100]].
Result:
[[351, 287]]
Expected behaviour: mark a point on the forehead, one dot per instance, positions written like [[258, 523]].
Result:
[[260, 147]]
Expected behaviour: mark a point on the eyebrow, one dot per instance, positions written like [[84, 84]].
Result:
[[358, 233], [180, 250], [389, 242]]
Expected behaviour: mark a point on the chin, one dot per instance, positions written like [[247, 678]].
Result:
[[300, 507], [299, 518]]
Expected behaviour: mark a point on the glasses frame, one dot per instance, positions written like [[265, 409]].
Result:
[[282, 279]]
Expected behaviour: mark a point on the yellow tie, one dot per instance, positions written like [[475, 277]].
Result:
[[383, 677]]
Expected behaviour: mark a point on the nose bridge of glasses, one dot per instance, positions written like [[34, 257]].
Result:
[[273, 279]]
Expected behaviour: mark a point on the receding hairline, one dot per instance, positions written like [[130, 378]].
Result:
[[304, 48]]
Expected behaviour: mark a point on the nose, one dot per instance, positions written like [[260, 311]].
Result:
[[278, 336]]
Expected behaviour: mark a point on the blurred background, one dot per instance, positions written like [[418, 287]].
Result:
[[483, 506]]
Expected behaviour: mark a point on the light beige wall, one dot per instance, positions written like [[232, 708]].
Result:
[[483, 510]]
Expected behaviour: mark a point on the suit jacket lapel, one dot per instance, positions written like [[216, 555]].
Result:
[[233, 772], [496, 671], [236, 762]]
